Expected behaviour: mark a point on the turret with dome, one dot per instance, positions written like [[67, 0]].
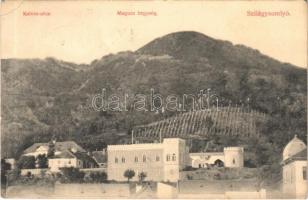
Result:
[[295, 169], [293, 147]]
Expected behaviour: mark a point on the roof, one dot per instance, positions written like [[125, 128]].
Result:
[[302, 155], [84, 157], [99, 156], [64, 154], [293, 147], [59, 146]]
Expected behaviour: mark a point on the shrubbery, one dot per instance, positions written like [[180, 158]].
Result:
[[72, 175], [96, 177]]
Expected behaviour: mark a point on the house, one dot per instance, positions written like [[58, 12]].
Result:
[[159, 161], [100, 157], [70, 159], [65, 154], [43, 148], [232, 157], [294, 165]]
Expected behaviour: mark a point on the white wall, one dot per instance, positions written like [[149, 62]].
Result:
[[234, 157], [301, 184], [294, 185], [200, 159], [56, 163], [174, 147], [165, 191], [153, 168]]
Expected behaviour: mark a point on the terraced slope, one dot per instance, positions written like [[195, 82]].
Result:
[[229, 121]]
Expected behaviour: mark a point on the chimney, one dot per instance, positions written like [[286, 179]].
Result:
[[74, 150]]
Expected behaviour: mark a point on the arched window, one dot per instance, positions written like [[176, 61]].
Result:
[[144, 158], [168, 157], [233, 161], [218, 163], [173, 157], [116, 160], [304, 173], [123, 160], [136, 159]]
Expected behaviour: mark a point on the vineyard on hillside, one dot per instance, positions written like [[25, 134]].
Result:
[[228, 121]]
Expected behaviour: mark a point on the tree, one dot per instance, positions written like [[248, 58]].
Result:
[[42, 161], [129, 173], [51, 149], [142, 176], [26, 162], [4, 168]]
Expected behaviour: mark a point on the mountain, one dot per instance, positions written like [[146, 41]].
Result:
[[42, 98]]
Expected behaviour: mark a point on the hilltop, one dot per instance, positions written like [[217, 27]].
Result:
[[42, 98]]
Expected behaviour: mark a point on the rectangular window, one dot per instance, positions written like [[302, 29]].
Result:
[[173, 157], [157, 158], [305, 173], [136, 159], [168, 157]]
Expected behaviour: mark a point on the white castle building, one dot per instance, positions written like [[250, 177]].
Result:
[[159, 161], [295, 169], [231, 157]]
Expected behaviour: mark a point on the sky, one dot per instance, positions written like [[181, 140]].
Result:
[[81, 31]]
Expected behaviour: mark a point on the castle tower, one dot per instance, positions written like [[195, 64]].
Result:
[[234, 157]]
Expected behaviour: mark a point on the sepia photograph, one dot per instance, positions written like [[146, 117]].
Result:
[[153, 99]]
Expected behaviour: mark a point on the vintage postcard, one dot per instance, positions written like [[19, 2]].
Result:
[[154, 99]]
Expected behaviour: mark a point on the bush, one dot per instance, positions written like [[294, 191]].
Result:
[[189, 168], [72, 175], [189, 177], [142, 176], [98, 177]]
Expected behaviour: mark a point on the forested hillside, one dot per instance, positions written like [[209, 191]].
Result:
[[52, 98]]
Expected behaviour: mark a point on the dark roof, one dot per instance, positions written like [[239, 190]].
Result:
[[64, 154], [99, 156], [302, 155], [59, 146], [84, 157]]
